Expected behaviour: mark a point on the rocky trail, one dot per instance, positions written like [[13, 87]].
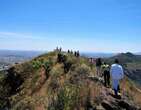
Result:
[[109, 101]]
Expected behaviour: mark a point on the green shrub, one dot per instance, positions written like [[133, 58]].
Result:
[[68, 98], [83, 70], [48, 65], [36, 64], [25, 104], [34, 81], [53, 85], [4, 90], [56, 71]]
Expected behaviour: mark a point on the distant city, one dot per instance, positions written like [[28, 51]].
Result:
[[11, 57]]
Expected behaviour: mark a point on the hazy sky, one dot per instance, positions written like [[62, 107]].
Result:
[[87, 25]]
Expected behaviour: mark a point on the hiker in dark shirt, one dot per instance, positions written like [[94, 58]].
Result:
[[78, 54], [106, 74], [98, 67], [60, 50], [68, 51], [75, 53]]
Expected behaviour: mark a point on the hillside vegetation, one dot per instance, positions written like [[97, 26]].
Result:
[[61, 81]]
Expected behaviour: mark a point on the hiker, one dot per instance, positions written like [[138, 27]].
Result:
[[57, 49], [98, 67], [60, 49], [106, 74], [77, 53], [68, 51], [117, 74]]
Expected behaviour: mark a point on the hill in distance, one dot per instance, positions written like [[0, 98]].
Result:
[[62, 81], [131, 63], [128, 57]]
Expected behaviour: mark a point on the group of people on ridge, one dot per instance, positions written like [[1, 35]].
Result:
[[76, 53], [113, 72]]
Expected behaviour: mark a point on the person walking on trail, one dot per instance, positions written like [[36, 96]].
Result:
[[98, 67], [117, 74], [106, 74]]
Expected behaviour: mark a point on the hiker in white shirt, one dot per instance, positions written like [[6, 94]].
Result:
[[116, 74]]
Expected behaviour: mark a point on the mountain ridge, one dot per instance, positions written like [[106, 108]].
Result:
[[60, 81]]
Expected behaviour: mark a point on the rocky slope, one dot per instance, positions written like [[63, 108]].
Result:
[[62, 81]]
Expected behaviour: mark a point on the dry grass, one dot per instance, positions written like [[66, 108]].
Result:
[[128, 88]]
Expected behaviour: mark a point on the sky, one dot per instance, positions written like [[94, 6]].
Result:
[[85, 25]]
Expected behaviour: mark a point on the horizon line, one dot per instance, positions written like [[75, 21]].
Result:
[[98, 52]]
